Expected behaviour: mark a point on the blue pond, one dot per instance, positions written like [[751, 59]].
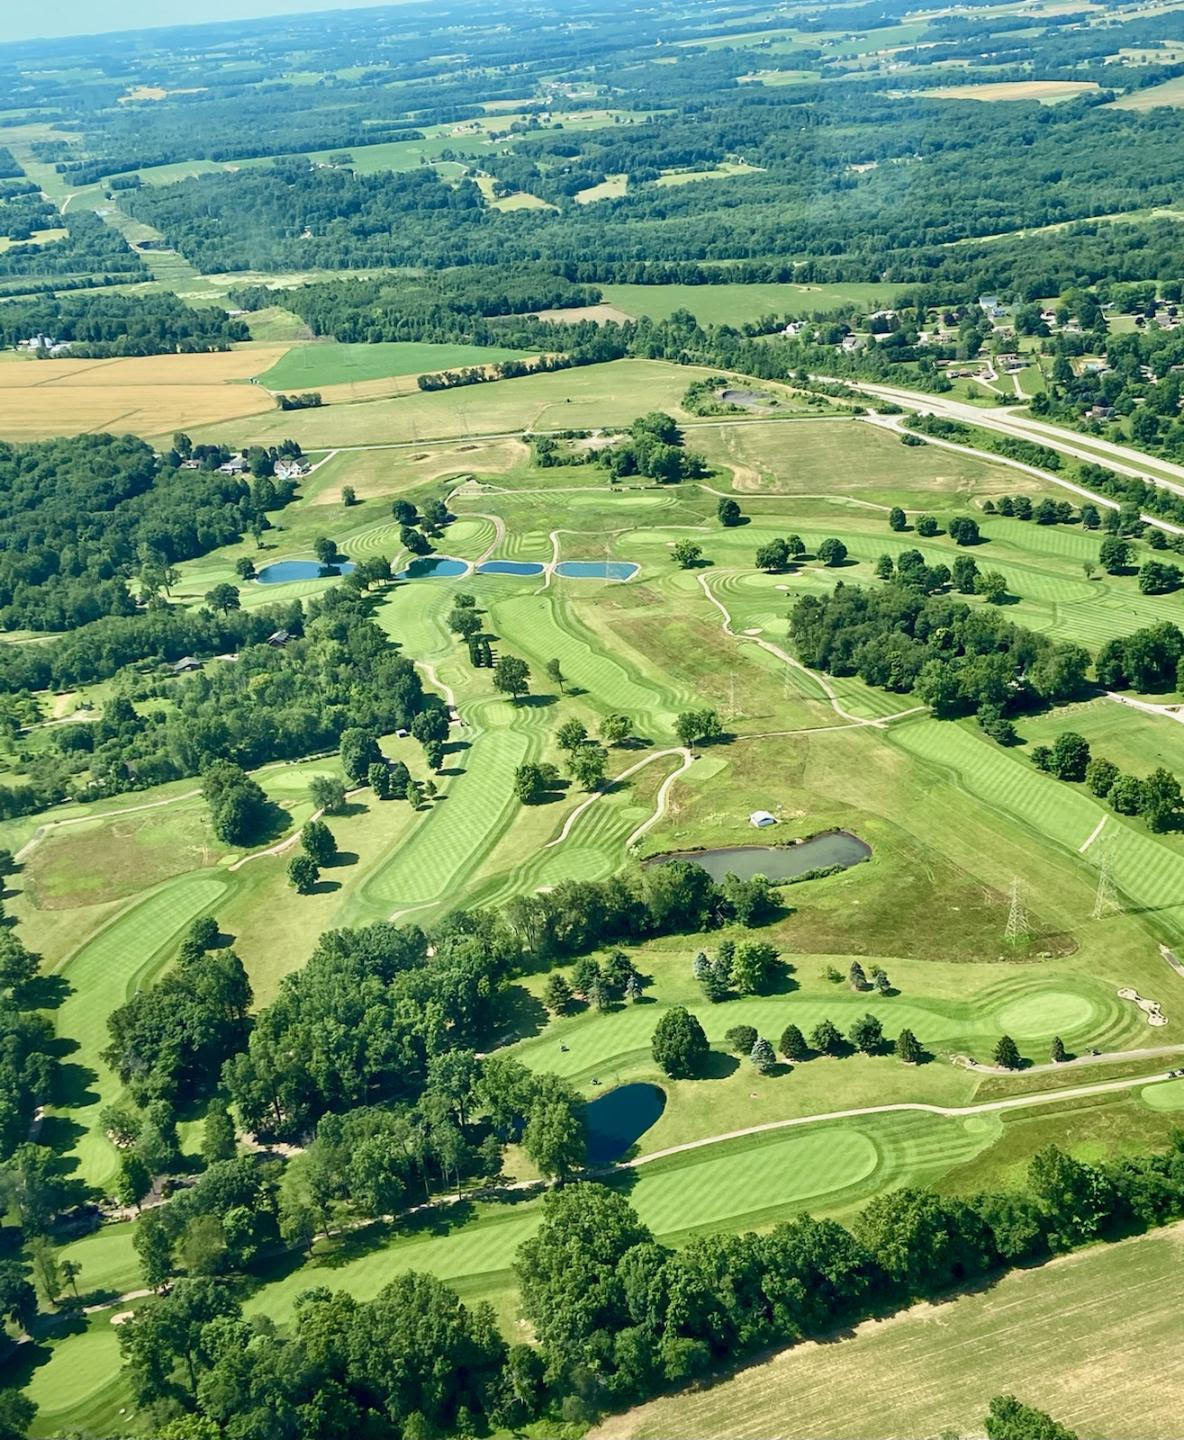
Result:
[[283, 571], [432, 567], [597, 569], [616, 1121], [510, 567]]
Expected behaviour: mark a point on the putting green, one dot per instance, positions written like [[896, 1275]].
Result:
[[1045, 1012], [1169, 1095]]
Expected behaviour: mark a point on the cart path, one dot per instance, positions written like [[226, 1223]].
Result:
[[660, 804], [1013, 1102], [879, 722]]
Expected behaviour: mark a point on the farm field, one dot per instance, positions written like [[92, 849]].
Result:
[[740, 304], [1079, 1337], [315, 366], [1047, 92], [1170, 93], [147, 396]]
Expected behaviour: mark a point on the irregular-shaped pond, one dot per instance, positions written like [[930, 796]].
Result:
[[616, 1121], [281, 572], [777, 862]]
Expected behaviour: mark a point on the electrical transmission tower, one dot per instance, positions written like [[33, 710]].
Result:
[[1018, 930], [1106, 897]]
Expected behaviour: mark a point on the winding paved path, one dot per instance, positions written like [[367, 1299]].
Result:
[[879, 722], [660, 806], [1013, 1102]]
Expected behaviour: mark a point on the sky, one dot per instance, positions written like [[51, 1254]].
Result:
[[89, 17]]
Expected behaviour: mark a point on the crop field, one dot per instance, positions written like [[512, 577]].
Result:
[[1047, 92], [154, 395], [1062, 1337]]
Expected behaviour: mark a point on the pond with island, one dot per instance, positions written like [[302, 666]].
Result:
[[616, 1121], [777, 862]]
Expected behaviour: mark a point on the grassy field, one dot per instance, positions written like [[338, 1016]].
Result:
[[614, 393], [1171, 92], [308, 367], [1094, 1338], [741, 304]]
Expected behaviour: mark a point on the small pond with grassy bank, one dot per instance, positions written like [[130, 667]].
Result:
[[616, 1121], [283, 572], [833, 849]]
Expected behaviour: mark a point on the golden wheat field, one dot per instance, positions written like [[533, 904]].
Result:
[[149, 395]]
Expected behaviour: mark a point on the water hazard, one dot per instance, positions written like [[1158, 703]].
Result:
[[777, 862], [616, 1121]]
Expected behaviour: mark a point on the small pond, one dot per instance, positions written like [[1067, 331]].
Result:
[[777, 862], [433, 567], [280, 572], [510, 567], [616, 1121], [753, 399], [597, 569]]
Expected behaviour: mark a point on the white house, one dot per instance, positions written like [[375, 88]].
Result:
[[761, 819]]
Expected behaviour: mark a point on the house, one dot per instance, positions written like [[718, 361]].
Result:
[[289, 469], [187, 662], [1101, 412], [236, 465], [793, 328], [762, 819], [991, 308], [279, 638]]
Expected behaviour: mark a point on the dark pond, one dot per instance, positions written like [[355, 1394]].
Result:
[[432, 567], [510, 567], [778, 862], [616, 1121], [596, 569], [282, 571], [753, 399]]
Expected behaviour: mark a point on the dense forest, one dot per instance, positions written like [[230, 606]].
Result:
[[101, 323], [82, 516]]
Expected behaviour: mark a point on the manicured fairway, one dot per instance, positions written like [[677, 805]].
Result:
[[118, 960], [1095, 1338], [1146, 870]]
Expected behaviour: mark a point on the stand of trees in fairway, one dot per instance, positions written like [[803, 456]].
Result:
[[957, 659]]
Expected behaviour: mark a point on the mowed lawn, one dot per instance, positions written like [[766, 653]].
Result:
[[306, 367], [1095, 1338], [740, 304]]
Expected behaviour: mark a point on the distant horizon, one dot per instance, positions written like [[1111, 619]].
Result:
[[63, 19]]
